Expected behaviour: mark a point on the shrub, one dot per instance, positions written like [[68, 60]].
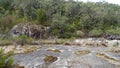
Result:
[[4, 41], [60, 28], [24, 39], [5, 59], [96, 32], [113, 31], [80, 34], [41, 17], [6, 23]]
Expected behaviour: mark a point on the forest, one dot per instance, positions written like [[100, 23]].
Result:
[[66, 19]]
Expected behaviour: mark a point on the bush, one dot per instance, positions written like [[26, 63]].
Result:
[[5, 59], [6, 23], [60, 28], [24, 39], [80, 34], [4, 41], [96, 32], [63, 31], [115, 31], [41, 17]]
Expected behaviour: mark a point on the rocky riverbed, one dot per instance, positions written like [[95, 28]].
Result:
[[78, 53]]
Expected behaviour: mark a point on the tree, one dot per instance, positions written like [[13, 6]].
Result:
[[60, 28], [41, 17]]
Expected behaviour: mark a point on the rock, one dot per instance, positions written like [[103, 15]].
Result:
[[93, 57], [29, 29], [91, 42], [114, 49], [111, 36], [17, 66], [108, 58], [114, 43], [19, 49]]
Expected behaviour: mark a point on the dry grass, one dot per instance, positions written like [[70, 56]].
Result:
[[20, 49], [53, 41], [17, 66], [26, 49], [108, 58], [83, 52], [52, 50], [50, 59]]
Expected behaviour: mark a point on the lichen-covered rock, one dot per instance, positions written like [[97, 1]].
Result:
[[29, 29]]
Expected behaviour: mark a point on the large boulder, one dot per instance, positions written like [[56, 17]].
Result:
[[29, 29]]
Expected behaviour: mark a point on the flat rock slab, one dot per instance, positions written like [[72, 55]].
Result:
[[61, 56]]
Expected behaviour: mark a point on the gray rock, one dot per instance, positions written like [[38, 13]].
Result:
[[29, 29], [68, 59], [111, 36]]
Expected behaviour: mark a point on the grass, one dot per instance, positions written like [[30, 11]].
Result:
[[56, 51], [115, 31], [96, 32], [83, 52], [53, 41], [26, 49], [108, 58], [5, 42], [5, 59], [50, 59]]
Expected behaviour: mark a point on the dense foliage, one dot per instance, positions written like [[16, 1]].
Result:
[[64, 17]]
